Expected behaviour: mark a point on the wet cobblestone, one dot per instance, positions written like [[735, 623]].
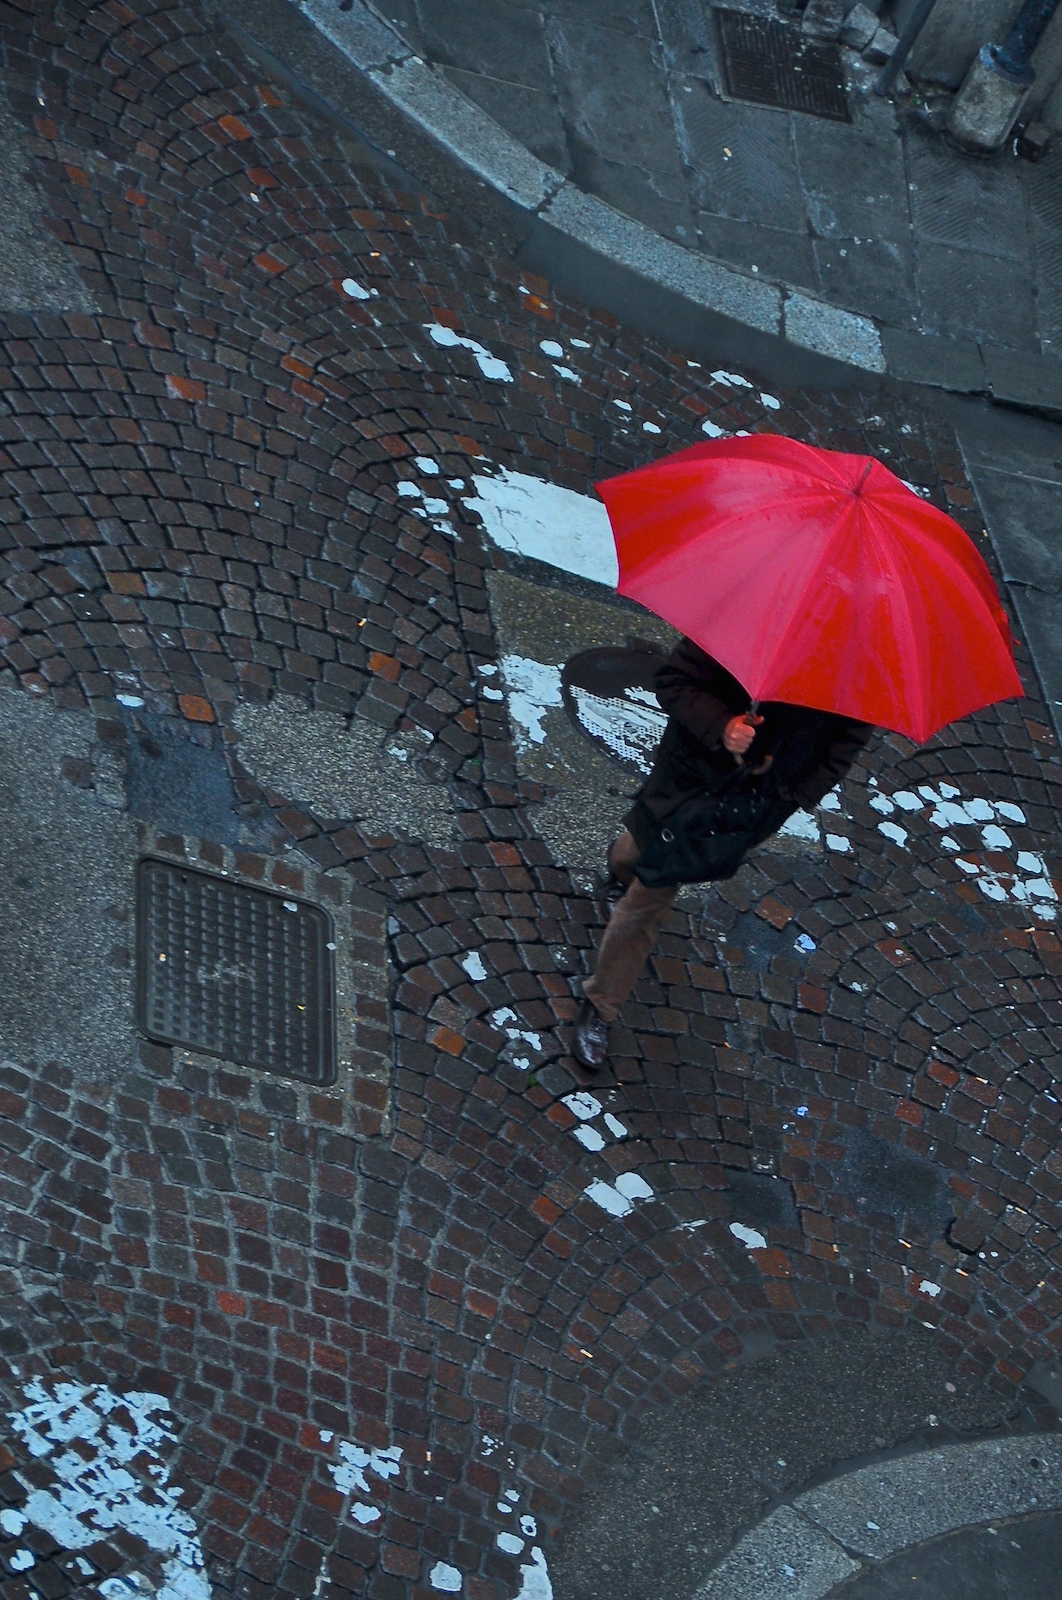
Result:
[[201, 511]]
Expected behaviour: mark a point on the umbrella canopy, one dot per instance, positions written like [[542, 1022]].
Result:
[[815, 578]]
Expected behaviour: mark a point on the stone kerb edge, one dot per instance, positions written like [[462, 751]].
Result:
[[802, 1550], [468, 134]]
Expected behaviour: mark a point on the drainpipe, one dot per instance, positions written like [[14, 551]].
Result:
[[987, 106], [904, 45]]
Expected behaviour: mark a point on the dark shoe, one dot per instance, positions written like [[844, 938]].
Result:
[[590, 1044], [610, 896]]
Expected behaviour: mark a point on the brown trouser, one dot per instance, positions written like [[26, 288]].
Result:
[[630, 935]]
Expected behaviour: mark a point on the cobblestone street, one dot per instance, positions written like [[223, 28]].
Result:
[[389, 1336]]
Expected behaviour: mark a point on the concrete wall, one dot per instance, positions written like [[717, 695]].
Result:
[[957, 29]]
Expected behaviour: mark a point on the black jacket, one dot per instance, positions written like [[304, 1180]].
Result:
[[812, 750]]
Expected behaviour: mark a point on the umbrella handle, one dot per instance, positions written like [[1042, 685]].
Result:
[[754, 711]]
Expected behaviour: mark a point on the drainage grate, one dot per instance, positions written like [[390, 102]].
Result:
[[235, 972], [770, 64]]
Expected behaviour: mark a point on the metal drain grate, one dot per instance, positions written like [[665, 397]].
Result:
[[770, 64], [235, 972]]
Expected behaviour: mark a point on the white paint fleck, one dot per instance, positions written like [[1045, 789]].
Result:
[[435, 507], [131, 700], [633, 1186], [838, 842], [510, 1543], [770, 402], [547, 523], [805, 943], [893, 831], [623, 405], [534, 1579], [651, 427], [714, 431], [551, 348], [514, 1494], [325, 1434], [801, 825], [445, 1577], [748, 1236], [831, 801], [501, 1017], [489, 365], [582, 344], [589, 1138], [430, 468], [567, 374], [529, 1527], [349, 1472], [733, 379], [12, 1522], [883, 805], [1012, 813], [91, 1438], [408, 490], [615, 1126], [907, 801], [608, 1198], [996, 838], [533, 687], [582, 1105], [931, 1289], [354, 289], [473, 965], [21, 1560], [365, 1514]]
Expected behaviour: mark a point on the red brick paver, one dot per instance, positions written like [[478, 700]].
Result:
[[200, 493]]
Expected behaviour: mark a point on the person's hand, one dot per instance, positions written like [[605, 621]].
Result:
[[740, 732]]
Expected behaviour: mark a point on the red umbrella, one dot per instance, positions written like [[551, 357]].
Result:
[[815, 578]]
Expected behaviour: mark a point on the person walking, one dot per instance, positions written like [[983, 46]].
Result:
[[725, 778], [820, 579]]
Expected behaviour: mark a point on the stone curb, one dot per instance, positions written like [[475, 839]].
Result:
[[623, 259], [803, 1550]]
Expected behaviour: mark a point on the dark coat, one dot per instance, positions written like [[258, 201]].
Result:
[[812, 750]]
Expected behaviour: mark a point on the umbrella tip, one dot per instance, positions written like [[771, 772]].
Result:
[[858, 490]]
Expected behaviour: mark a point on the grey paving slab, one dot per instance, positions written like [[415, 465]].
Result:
[[957, 200], [967, 296], [778, 253], [895, 1504], [531, 115], [1024, 514], [1042, 183], [875, 274], [955, 364], [853, 177], [1012, 1561], [636, 17], [1019, 379], [622, 143], [497, 38], [741, 159]]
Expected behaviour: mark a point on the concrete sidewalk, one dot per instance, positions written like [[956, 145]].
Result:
[[952, 264]]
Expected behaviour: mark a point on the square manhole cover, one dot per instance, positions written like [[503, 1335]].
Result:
[[235, 972], [772, 64]]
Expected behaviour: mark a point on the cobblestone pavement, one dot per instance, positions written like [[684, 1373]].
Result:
[[452, 1288]]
